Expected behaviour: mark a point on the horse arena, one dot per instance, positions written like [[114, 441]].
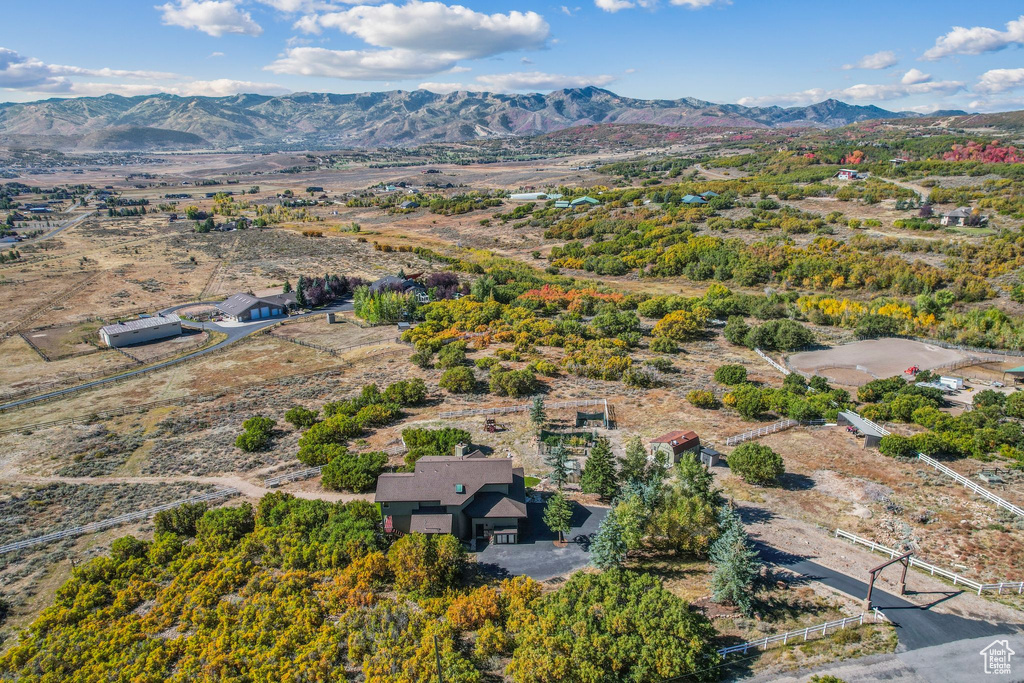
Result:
[[859, 363]]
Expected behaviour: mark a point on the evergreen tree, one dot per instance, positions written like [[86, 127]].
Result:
[[736, 563], [609, 547], [558, 514], [556, 459], [538, 416], [300, 292], [287, 286], [695, 479], [599, 475], [634, 465]]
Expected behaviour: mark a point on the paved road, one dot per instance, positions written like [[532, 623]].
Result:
[[917, 627], [53, 233], [234, 333]]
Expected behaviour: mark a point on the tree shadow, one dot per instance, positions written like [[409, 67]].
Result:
[[755, 515], [790, 481]]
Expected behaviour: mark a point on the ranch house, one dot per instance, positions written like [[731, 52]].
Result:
[[469, 496], [676, 444], [246, 307]]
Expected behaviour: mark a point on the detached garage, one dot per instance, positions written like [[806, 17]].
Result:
[[141, 330]]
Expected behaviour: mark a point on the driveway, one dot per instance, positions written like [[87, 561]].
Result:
[[234, 333], [536, 555]]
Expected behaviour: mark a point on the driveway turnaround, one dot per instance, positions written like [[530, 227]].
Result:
[[536, 555]]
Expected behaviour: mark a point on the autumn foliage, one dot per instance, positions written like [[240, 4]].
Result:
[[987, 154]]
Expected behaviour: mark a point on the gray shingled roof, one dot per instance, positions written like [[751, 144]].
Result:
[[140, 323], [431, 524], [493, 504], [959, 212], [237, 303], [435, 478]]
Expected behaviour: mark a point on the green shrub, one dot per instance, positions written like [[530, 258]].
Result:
[[256, 437], [896, 446], [702, 398], [664, 345], [356, 472], [452, 355], [731, 374], [756, 464], [458, 380], [513, 383], [300, 417], [319, 454], [409, 392]]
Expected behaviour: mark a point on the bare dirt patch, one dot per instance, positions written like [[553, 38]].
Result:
[[875, 357]]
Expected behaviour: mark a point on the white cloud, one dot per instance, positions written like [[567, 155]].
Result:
[[976, 40], [567, 11], [877, 60], [441, 88], [364, 65], [216, 54], [213, 17], [536, 80], [997, 104], [861, 92], [1000, 80], [221, 87], [18, 72], [416, 39], [915, 76], [616, 5], [519, 82], [441, 29]]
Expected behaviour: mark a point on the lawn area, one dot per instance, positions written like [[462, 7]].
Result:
[[531, 481]]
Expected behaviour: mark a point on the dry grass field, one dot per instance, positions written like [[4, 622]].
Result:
[[105, 269]]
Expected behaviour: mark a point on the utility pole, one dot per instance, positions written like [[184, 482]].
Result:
[[437, 653]]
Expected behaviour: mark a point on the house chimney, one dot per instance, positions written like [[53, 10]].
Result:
[[461, 450]]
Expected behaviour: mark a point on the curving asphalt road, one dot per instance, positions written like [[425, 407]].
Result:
[[917, 626], [234, 333]]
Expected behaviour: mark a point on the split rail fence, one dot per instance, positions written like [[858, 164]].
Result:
[[779, 426], [1008, 586], [524, 407], [219, 494], [771, 362], [803, 634]]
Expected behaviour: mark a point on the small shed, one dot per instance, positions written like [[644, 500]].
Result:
[[872, 432], [584, 201]]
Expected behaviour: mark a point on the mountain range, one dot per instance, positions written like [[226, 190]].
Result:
[[374, 119]]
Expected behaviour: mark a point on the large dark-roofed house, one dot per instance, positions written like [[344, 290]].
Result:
[[467, 496], [246, 307]]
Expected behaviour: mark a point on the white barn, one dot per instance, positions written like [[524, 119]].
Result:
[[141, 330]]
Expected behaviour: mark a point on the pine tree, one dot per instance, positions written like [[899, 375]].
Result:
[[558, 514], [695, 479], [634, 465], [287, 286], [609, 547], [556, 460], [538, 416], [736, 563], [599, 475], [300, 292]]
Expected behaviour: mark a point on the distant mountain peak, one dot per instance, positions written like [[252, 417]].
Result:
[[390, 118]]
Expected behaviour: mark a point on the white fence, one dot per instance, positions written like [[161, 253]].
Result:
[[116, 521], [971, 486], [1008, 586], [521, 408], [308, 473], [772, 363], [803, 634], [959, 478], [761, 431]]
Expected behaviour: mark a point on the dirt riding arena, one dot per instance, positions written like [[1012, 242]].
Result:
[[858, 363]]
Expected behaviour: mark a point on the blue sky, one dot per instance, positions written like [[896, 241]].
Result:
[[903, 54]]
